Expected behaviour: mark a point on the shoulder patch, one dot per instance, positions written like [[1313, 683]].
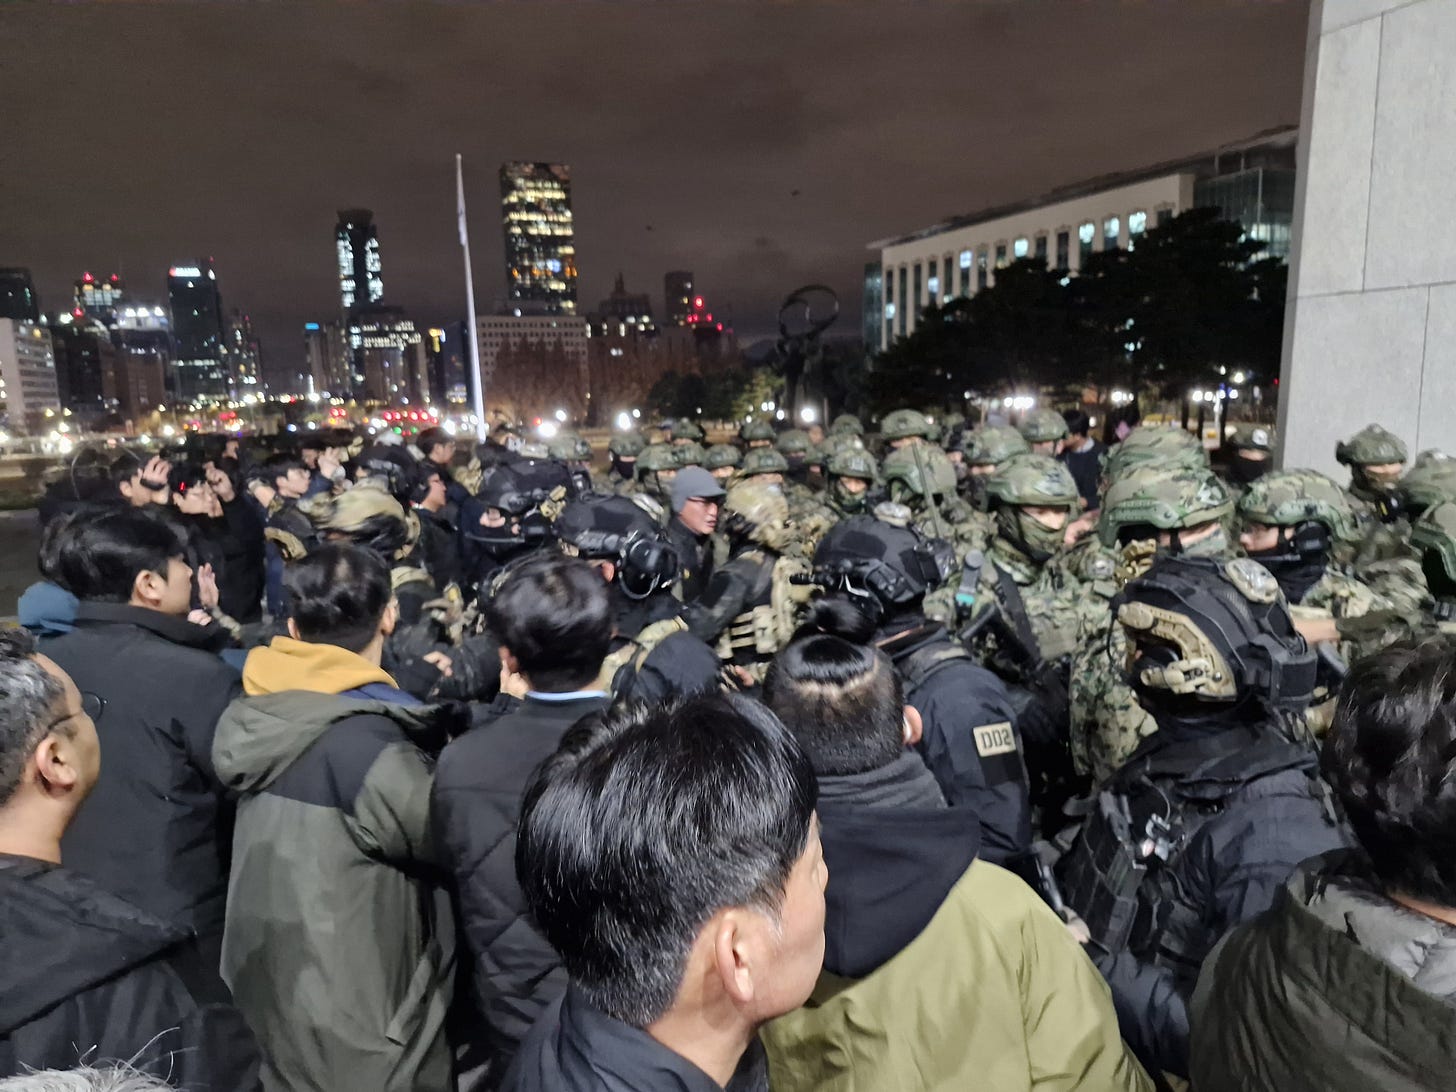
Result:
[[995, 739]]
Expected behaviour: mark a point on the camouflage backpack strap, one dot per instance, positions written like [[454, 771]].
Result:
[[787, 599], [621, 666], [402, 576], [289, 544]]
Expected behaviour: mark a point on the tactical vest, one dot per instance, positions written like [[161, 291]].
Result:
[[1118, 875], [770, 615], [622, 664]]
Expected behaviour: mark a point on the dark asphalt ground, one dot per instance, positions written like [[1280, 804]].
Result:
[[19, 537]]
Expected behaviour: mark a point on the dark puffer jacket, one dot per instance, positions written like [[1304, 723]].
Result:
[[1335, 989]]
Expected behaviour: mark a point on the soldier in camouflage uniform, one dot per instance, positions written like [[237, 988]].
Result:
[[1151, 509], [921, 478], [657, 469], [1251, 455], [755, 434], [846, 424], [623, 449], [687, 431], [1044, 430], [985, 449], [853, 475], [811, 520], [690, 453], [723, 462], [750, 608], [1376, 458], [904, 427], [573, 450], [793, 444]]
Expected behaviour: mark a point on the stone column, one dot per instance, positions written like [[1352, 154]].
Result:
[[1370, 333]]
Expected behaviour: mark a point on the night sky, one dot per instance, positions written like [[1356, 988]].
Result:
[[760, 145]]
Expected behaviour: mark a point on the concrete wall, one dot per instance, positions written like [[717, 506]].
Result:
[[1370, 333]]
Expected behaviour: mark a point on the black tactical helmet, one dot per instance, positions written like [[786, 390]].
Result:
[[1206, 634], [615, 529], [880, 567]]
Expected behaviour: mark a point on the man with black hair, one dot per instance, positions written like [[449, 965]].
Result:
[[1356, 957], [1083, 456], [89, 975], [437, 547], [242, 579], [1202, 824], [916, 922], [141, 482], [876, 576], [288, 528], [156, 831], [553, 618], [339, 945], [671, 857]]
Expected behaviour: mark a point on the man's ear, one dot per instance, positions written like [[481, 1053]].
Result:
[[144, 588], [293, 629], [56, 772], [390, 619], [732, 957], [914, 728]]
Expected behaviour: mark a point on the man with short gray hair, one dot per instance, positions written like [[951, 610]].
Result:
[[87, 975]]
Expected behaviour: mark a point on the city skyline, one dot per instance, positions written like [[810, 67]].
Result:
[[788, 140]]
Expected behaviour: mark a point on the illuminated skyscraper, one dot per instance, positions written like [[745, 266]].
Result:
[[197, 321], [677, 292], [18, 299], [361, 275], [98, 297], [540, 242]]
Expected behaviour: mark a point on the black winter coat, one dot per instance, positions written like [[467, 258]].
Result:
[[157, 828], [87, 976], [476, 804], [576, 1048]]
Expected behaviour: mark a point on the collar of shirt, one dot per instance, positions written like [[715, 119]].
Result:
[[570, 695]]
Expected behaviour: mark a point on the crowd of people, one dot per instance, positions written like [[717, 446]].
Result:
[[932, 757]]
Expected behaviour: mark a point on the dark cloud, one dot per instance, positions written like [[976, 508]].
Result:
[[145, 133]]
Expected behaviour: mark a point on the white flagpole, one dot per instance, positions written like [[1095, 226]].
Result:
[[481, 429]]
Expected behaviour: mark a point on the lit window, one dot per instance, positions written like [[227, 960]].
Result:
[[1087, 231], [1000, 255], [889, 311], [965, 259], [1111, 230], [1137, 223], [1021, 247], [933, 287]]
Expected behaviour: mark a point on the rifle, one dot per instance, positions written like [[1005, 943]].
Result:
[[929, 496]]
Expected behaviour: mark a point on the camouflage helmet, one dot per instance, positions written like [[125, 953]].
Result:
[[1042, 425], [1169, 448], [626, 445], [691, 453], [1371, 446], [992, 445], [758, 512], [1031, 479], [762, 460], [1287, 498], [953, 422], [854, 463], [901, 424], [794, 441], [721, 455], [1248, 436], [656, 457], [1163, 498], [1434, 535], [846, 424], [569, 447], [905, 482], [755, 431], [367, 516], [1430, 480], [834, 443], [685, 428]]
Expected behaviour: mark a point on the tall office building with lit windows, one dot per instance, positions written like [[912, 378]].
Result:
[[361, 274], [197, 321], [18, 299], [539, 237]]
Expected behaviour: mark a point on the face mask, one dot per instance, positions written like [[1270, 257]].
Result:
[[1245, 471], [1215, 545]]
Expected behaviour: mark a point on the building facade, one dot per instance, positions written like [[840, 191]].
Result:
[[677, 297], [28, 385], [18, 297], [539, 235], [361, 271], [388, 355], [197, 329], [326, 362], [98, 297], [623, 311], [244, 355], [1252, 182], [84, 354]]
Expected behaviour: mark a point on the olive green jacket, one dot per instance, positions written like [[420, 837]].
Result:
[[993, 994]]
